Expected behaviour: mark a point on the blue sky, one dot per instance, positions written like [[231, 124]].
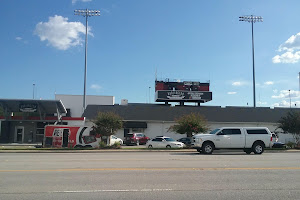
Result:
[[42, 43]]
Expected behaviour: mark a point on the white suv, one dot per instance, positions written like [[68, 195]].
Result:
[[250, 139]]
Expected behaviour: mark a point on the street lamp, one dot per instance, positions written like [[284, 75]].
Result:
[[86, 13], [149, 93], [252, 19], [33, 85], [290, 99]]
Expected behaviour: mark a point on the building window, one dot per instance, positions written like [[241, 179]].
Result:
[[138, 130]]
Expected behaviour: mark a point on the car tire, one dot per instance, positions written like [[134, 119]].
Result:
[[248, 151], [78, 146], [150, 146], [168, 147], [258, 148], [208, 148]]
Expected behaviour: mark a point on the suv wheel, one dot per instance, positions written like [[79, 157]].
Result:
[[258, 148], [168, 147], [248, 151], [150, 146], [208, 148]]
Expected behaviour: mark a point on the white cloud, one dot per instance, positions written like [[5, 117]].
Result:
[[262, 103], [18, 38], [287, 94], [275, 91], [290, 47], [269, 83], [287, 57], [74, 1], [237, 83], [293, 43], [60, 33], [96, 87], [231, 92], [285, 103]]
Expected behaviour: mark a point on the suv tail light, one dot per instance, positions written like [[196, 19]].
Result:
[[271, 139]]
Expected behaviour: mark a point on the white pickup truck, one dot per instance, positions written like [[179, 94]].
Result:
[[250, 139]]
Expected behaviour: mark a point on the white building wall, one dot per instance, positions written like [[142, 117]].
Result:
[[158, 128], [285, 138], [75, 102]]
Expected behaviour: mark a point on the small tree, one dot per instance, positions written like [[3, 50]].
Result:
[[107, 124], [189, 124], [291, 124]]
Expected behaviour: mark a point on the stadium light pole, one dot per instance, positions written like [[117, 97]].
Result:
[[33, 85], [290, 99], [252, 19], [86, 13]]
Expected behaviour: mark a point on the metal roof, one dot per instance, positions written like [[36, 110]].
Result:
[[160, 112], [45, 106]]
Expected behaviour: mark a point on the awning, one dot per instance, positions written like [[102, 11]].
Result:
[[33, 105]]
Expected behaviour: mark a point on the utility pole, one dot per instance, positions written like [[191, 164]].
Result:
[[252, 19], [33, 86], [86, 13]]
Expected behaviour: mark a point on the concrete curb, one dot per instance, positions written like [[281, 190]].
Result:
[[129, 150]]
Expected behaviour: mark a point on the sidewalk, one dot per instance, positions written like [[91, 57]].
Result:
[[36, 148], [18, 145]]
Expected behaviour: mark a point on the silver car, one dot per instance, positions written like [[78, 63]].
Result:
[[164, 142]]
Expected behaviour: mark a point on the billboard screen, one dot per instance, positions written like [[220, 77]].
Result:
[[181, 95]]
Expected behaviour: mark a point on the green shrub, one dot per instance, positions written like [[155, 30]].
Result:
[[102, 145], [116, 145], [290, 145]]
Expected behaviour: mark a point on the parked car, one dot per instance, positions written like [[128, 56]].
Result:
[[278, 145], [114, 139], [250, 139], [164, 142], [274, 137], [135, 139], [186, 140]]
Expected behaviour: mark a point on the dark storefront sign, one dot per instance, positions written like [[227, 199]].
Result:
[[28, 107], [178, 95], [135, 125]]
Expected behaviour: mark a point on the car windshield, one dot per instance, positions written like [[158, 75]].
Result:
[[214, 131], [169, 139]]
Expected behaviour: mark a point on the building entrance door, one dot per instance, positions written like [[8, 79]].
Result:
[[65, 138], [19, 134]]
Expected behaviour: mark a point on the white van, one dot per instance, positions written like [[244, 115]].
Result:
[[250, 139]]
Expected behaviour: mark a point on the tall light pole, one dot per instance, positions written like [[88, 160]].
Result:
[[290, 99], [252, 19], [86, 13], [149, 93], [33, 85]]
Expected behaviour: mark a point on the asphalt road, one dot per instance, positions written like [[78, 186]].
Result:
[[149, 175]]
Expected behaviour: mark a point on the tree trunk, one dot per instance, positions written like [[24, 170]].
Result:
[[189, 134]]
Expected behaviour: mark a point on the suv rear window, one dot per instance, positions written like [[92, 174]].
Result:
[[257, 131], [231, 132], [129, 135]]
